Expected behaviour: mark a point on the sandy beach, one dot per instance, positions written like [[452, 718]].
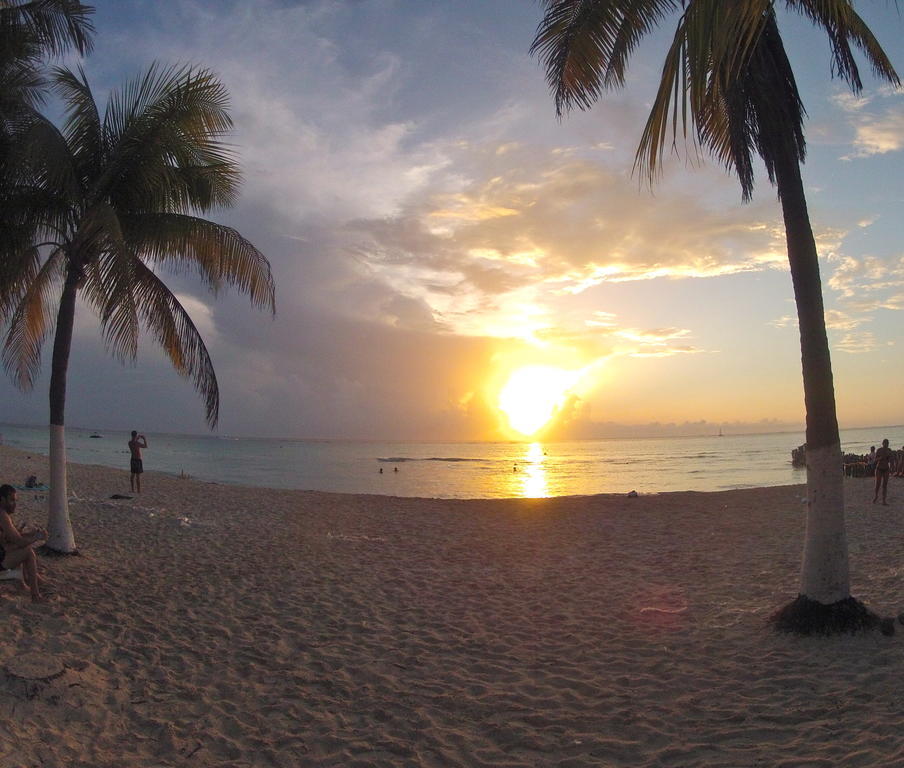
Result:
[[212, 625]]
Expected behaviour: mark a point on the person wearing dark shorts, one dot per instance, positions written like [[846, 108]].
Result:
[[135, 466], [883, 469]]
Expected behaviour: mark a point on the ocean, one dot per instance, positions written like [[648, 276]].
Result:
[[460, 470]]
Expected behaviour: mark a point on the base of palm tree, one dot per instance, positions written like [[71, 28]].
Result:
[[51, 552], [804, 616]]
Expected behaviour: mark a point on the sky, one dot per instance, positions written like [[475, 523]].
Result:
[[434, 230]]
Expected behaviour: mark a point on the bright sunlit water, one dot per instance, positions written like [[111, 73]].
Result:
[[462, 470]]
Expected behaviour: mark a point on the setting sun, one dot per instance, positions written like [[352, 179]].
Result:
[[532, 395]]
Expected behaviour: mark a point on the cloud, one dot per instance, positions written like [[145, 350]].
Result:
[[857, 343], [876, 131], [839, 320], [526, 224], [863, 278], [878, 136]]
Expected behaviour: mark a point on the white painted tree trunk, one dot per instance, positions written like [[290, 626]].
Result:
[[825, 576], [59, 530]]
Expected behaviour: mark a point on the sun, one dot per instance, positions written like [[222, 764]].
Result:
[[533, 394]]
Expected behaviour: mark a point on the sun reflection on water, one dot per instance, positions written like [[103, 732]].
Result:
[[533, 473]]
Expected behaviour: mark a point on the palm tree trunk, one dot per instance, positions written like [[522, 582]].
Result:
[[824, 577], [60, 536]]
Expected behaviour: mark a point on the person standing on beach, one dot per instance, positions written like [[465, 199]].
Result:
[[883, 468], [17, 547], [136, 467]]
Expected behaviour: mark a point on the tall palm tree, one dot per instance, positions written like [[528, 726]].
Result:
[[727, 74], [105, 202]]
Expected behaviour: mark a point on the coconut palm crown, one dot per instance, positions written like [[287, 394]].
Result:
[[728, 83], [105, 203]]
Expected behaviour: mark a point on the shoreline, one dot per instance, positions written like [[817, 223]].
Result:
[[215, 625]]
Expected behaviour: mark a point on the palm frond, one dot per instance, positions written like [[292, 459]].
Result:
[[18, 268], [55, 25], [108, 269], [167, 129], [84, 133], [39, 156], [30, 220], [584, 45], [174, 330], [217, 252], [31, 323], [726, 74], [109, 287], [844, 26], [21, 86]]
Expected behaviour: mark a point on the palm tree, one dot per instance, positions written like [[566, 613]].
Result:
[[104, 203], [727, 73]]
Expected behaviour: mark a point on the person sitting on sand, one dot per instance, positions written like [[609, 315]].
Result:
[[136, 466], [17, 547], [883, 468]]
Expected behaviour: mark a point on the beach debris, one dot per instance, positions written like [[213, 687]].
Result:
[[120, 496], [632, 494], [353, 537]]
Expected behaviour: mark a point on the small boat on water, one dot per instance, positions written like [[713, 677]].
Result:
[[94, 434]]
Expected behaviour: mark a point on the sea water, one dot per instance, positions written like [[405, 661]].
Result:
[[460, 470]]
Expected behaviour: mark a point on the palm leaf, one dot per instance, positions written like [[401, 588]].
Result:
[[167, 128], [40, 156], [84, 133], [174, 330], [54, 25], [585, 44], [218, 253], [109, 284], [844, 26], [31, 322]]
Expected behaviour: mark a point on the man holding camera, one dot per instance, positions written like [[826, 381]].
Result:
[[135, 445]]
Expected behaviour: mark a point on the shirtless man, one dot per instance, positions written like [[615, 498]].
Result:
[[883, 468], [135, 445], [17, 547]]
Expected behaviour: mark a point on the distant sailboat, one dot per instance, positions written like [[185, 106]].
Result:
[[720, 431]]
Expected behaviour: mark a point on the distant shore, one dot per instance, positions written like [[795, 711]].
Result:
[[218, 625]]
